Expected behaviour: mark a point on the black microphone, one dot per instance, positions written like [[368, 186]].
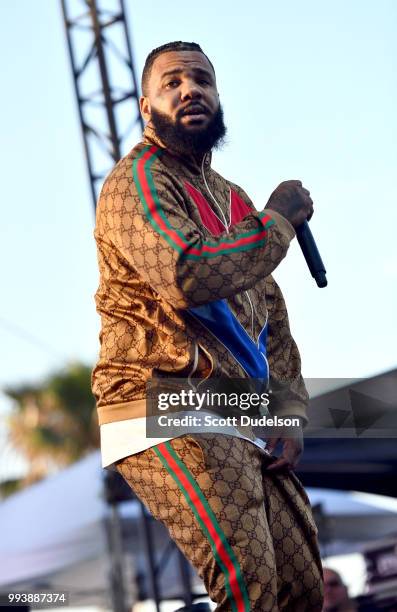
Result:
[[311, 254]]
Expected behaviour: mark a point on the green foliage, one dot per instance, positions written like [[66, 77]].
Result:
[[8, 487], [54, 423]]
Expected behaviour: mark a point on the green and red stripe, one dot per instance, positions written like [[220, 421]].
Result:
[[147, 191], [223, 553]]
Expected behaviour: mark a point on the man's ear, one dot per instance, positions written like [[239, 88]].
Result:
[[144, 106]]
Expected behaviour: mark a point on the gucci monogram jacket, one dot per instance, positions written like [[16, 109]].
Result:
[[185, 288]]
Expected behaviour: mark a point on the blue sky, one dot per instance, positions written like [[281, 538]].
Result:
[[309, 93]]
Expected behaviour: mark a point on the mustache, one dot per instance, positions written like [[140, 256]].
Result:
[[192, 107]]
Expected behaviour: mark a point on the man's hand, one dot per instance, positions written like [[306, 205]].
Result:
[[291, 453], [292, 201]]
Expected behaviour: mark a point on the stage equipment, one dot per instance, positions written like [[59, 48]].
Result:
[[104, 81]]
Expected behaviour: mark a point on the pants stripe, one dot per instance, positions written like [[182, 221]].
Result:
[[221, 548]]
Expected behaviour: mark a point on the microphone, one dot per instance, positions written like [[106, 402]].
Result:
[[311, 254]]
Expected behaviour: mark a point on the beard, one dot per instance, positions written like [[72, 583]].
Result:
[[180, 139]]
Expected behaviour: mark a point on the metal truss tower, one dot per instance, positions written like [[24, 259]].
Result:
[[104, 80]]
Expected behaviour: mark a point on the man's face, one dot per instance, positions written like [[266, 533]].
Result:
[[182, 102], [335, 592]]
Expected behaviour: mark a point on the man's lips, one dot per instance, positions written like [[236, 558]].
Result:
[[194, 109]]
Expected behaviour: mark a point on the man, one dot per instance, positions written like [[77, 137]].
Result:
[[336, 596], [186, 291]]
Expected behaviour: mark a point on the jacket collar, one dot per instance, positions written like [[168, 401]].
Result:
[[193, 162]]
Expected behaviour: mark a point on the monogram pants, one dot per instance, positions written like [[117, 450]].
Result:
[[249, 533]]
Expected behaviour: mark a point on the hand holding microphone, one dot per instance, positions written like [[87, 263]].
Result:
[[293, 202]]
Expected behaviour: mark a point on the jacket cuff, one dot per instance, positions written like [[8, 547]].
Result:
[[282, 223]]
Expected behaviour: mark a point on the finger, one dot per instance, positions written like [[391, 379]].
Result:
[[278, 467], [294, 183], [294, 464], [293, 461], [280, 464], [310, 206], [270, 446]]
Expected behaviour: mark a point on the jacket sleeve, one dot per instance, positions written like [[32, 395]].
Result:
[[289, 396], [142, 214]]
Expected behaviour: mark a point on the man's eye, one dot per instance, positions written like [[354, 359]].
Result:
[[203, 82], [172, 84]]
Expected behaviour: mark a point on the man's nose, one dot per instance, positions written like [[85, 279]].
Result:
[[190, 90]]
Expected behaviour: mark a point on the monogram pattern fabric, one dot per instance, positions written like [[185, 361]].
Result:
[[157, 258], [264, 521]]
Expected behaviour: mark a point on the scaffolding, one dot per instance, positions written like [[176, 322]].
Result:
[[105, 82]]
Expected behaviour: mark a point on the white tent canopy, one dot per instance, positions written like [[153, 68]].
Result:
[[53, 535], [47, 526]]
